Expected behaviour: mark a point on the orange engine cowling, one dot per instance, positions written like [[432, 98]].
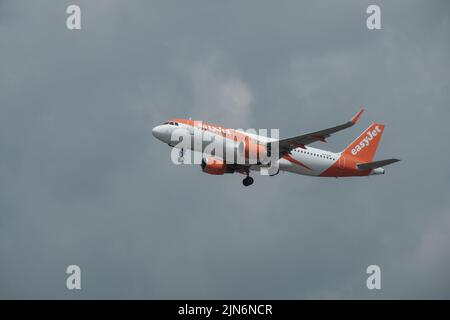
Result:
[[252, 151], [215, 166]]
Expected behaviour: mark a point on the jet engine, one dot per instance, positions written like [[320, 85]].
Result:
[[216, 166]]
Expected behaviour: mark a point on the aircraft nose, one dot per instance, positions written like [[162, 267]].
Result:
[[158, 132]]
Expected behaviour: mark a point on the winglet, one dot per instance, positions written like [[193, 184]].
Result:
[[357, 116]]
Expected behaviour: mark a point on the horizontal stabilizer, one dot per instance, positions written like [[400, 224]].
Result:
[[376, 164]]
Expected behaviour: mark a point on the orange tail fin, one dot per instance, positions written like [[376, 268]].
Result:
[[365, 146]]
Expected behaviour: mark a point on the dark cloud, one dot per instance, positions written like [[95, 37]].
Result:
[[82, 181]]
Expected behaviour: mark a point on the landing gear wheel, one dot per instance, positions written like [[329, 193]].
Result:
[[247, 181]]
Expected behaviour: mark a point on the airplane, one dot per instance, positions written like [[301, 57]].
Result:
[[293, 155]]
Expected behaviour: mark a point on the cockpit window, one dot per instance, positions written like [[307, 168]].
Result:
[[172, 123]]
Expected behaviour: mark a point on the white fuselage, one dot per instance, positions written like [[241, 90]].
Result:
[[306, 161]]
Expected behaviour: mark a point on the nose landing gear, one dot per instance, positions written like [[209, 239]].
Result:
[[181, 156]]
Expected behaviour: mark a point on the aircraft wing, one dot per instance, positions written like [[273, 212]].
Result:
[[286, 145]]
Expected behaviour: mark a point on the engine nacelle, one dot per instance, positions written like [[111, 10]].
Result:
[[252, 151], [215, 166]]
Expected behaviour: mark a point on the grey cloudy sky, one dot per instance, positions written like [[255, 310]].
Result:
[[82, 180]]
